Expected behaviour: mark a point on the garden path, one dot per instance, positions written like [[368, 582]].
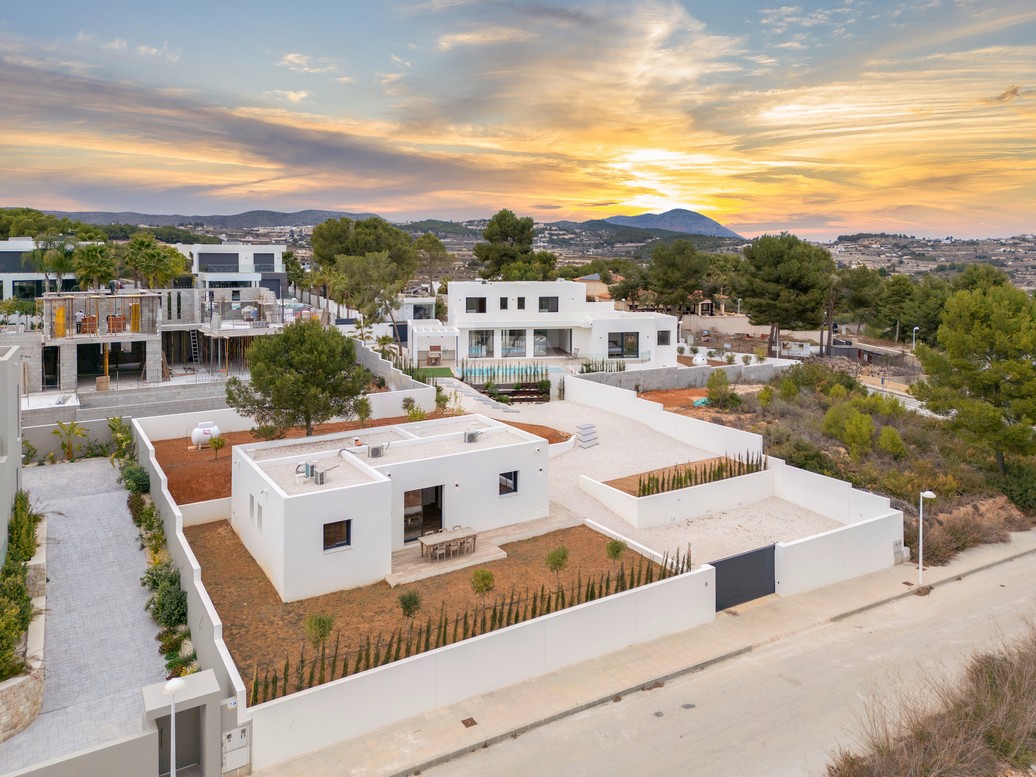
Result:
[[100, 643]]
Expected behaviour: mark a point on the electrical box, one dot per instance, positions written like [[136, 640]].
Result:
[[236, 751]]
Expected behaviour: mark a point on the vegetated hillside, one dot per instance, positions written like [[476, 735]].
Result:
[[439, 228], [249, 219], [822, 420], [171, 235], [676, 220]]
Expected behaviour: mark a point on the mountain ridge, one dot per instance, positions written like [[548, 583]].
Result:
[[676, 220]]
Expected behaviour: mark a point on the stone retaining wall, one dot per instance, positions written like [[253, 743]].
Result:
[[21, 697]]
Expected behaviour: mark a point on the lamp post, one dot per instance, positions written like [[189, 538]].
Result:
[[739, 306], [920, 536], [170, 688], [913, 345]]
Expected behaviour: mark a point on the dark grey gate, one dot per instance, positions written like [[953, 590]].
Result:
[[744, 577]]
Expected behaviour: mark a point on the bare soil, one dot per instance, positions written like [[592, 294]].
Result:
[[681, 401], [262, 630], [198, 475], [629, 483]]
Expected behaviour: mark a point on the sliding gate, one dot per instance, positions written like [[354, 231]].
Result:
[[744, 577]]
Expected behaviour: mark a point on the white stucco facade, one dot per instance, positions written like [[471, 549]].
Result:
[[236, 264], [428, 474], [543, 319], [10, 436]]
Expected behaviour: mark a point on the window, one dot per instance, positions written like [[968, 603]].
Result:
[[475, 305], [259, 518], [508, 482], [623, 345], [338, 534], [251, 507], [480, 343], [503, 303], [548, 304], [521, 303], [664, 337], [513, 343]]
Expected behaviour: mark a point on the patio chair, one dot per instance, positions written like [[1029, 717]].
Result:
[[454, 548], [429, 533], [469, 545], [456, 528], [438, 552]]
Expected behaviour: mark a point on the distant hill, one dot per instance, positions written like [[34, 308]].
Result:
[[438, 227], [250, 219], [676, 220]]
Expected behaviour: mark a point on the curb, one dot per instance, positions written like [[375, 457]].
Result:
[[650, 684]]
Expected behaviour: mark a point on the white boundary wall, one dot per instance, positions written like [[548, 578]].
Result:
[[721, 440], [682, 504], [347, 708], [840, 554], [205, 624], [198, 513]]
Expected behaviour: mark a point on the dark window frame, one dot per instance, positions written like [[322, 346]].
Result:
[[338, 534], [479, 305], [508, 482]]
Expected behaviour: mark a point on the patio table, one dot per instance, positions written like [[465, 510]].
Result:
[[430, 542]]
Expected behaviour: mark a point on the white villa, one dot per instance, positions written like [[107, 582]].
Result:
[[541, 319], [237, 265], [372, 492]]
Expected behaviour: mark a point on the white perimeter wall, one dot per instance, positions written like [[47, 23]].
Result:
[[840, 554], [206, 627], [682, 504], [212, 510], [347, 708], [720, 440]]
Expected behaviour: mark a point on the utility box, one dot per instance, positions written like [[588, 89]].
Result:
[[237, 753], [103, 381]]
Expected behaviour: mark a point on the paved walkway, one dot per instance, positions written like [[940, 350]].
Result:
[[100, 644], [423, 741]]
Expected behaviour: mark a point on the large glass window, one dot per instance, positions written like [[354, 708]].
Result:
[[548, 304], [338, 534], [623, 345], [480, 343], [475, 305], [514, 343]]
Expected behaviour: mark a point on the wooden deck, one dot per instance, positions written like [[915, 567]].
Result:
[[408, 565]]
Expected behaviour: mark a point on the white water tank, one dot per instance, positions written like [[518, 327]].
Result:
[[699, 360], [203, 432]]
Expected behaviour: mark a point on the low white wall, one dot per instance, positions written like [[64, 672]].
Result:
[[721, 440], [840, 554], [681, 504], [302, 722], [556, 449], [205, 624], [205, 512]]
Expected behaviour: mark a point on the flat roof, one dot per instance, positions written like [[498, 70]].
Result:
[[346, 463]]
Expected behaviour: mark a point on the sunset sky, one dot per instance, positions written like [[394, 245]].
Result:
[[816, 118]]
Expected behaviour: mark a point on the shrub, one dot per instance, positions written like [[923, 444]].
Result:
[[557, 560], [168, 605], [1018, 485], [135, 504], [442, 399], [10, 634], [746, 360], [363, 411], [318, 628], [412, 410], [801, 454], [14, 589], [890, 442], [217, 444], [157, 574], [124, 447], [680, 350], [409, 603], [614, 549], [482, 582], [859, 433], [68, 432], [136, 478], [720, 395], [766, 396], [787, 389], [731, 358], [28, 452], [21, 530], [267, 432]]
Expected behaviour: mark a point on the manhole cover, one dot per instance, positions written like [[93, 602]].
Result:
[[469, 722]]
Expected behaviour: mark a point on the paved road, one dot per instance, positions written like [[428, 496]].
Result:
[[780, 710]]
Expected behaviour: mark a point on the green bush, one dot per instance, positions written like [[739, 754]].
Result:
[[890, 442], [799, 453], [10, 634], [136, 478], [766, 396], [14, 590], [168, 606], [21, 530], [157, 574], [135, 504], [1018, 485], [859, 433], [719, 392]]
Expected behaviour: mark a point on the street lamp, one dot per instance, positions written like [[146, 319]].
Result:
[[914, 344], [739, 306], [920, 536], [170, 689]]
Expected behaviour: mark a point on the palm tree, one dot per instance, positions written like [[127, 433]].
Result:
[[59, 260], [94, 264], [386, 346]]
